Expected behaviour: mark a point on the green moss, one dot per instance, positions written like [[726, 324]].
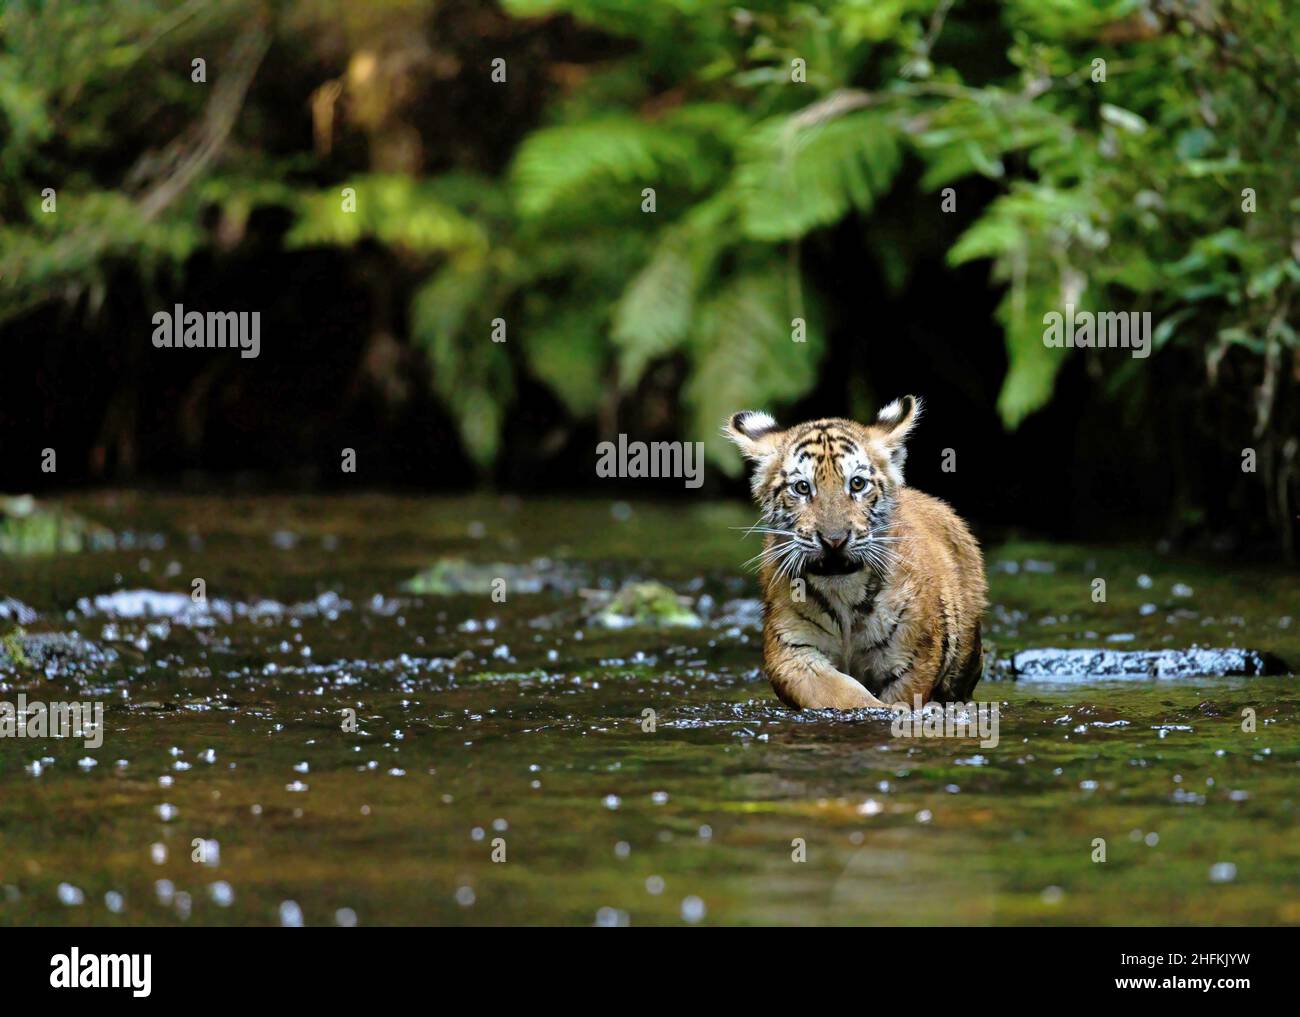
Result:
[[646, 603], [28, 527], [11, 647]]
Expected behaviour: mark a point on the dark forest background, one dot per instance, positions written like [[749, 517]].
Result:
[[799, 155]]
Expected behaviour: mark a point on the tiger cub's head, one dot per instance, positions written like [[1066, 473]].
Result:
[[826, 487]]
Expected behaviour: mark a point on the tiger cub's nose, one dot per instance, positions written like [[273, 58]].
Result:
[[834, 541]]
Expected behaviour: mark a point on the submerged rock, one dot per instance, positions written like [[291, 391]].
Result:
[[456, 575], [16, 611], [1067, 664], [646, 603], [183, 609], [178, 607], [53, 653], [746, 613]]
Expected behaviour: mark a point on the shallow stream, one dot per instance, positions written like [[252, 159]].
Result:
[[518, 728]]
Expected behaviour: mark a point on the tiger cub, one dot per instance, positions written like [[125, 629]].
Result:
[[872, 591]]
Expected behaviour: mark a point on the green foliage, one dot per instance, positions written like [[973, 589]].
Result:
[[593, 170], [1115, 196], [67, 254], [744, 355], [810, 169], [68, 73], [1031, 235], [565, 349], [471, 373], [396, 211], [11, 646], [654, 314], [1122, 193]]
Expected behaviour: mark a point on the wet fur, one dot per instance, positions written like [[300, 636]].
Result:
[[893, 614]]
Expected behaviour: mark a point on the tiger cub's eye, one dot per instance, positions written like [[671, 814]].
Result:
[[803, 489], [858, 484]]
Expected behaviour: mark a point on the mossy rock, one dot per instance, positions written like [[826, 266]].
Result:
[[52, 653], [453, 576], [29, 527], [11, 648], [647, 604]]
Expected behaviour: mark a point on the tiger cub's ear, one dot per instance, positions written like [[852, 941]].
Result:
[[894, 423], [898, 418], [755, 433]]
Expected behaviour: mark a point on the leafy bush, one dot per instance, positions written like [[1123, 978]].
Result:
[[1128, 139]]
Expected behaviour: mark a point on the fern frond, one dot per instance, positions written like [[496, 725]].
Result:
[[565, 346], [654, 314], [397, 211], [572, 169], [807, 170], [471, 374], [1031, 366], [744, 355], [1029, 234]]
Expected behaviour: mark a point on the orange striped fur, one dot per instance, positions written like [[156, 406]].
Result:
[[872, 591]]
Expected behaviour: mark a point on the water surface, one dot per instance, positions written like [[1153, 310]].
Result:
[[517, 727]]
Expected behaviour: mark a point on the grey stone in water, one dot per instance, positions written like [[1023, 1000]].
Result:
[[1067, 664], [182, 609], [57, 653], [141, 604], [16, 611], [745, 614]]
